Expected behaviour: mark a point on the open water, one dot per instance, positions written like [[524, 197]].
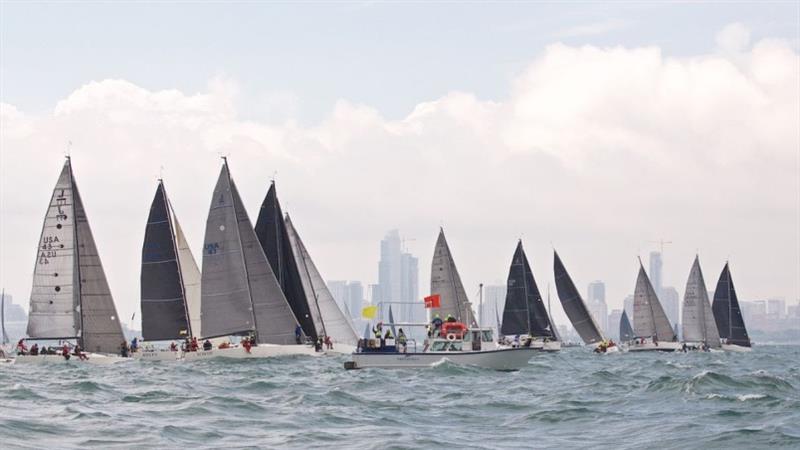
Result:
[[572, 399]]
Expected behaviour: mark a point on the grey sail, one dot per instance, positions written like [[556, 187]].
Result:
[[164, 294], [446, 282], [697, 317], [573, 304], [274, 238], [727, 313], [625, 328], [70, 298], [649, 319], [524, 312], [332, 320], [190, 274], [391, 321]]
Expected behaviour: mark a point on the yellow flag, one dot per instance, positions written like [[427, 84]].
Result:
[[369, 312]]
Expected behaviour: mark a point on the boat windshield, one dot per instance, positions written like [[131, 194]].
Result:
[[446, 346]]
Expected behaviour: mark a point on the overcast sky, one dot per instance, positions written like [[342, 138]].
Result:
[[592, 128]]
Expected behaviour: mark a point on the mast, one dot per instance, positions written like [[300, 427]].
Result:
[[480, 306], [170, 219], [77, 287]]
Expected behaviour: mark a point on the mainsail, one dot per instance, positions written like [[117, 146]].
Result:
[[331, 320], [727, 313], [649, 319], [446, 282], [170, 279], [240, 294], [274, 239], [574, 305], [625, 328], [70, 298], [524, 312], [697, 318]]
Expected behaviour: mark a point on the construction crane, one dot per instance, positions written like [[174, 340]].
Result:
[[661, 243]]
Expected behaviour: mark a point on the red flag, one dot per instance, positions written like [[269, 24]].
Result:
[[433, 301]]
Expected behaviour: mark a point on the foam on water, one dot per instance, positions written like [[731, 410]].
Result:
[[571, 399]]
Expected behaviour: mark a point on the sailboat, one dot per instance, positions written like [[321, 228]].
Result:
[[524, 313], [728, 315], [574, 306], [332, 322], [625, 329], [170, 281], [312, 303], [650, 323], [699, 327], [458, 340], [240, 295], [70, 297]]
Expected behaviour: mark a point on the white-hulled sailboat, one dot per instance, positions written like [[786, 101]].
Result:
[[524, 313], [170, 283], [459, 341], [577, 311], [240, 295], [699, 328], [70, 298], [728, 315], [312, 303], [650, 323]]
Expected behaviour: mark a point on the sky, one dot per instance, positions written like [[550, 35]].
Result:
[[595, 129]]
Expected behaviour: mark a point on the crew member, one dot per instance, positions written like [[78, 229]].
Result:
[[402, 340], [207, 345], [298, 334]]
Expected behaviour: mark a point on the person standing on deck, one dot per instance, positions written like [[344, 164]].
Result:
[[298, 334]]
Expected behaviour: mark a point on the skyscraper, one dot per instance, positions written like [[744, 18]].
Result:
[[613, 324], [596, 299], [670, 300], [494, 297], [656, 265], [398, 280]]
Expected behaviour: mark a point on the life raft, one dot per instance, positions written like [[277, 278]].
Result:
[[457, 329]]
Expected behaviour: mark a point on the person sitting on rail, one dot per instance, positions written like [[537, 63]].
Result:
[[21, 348], [207, 345], [402, 340]]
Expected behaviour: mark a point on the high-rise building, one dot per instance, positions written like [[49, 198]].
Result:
[[776, 308], [656, 265], [398, 281], [670, 301], [339, 291], [14, 312], [613, 323], [355, 298], [596, 300], [494, 300], [628, 302]]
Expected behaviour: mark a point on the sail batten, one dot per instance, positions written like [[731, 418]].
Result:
[[649, 319], [446, 282], [573, 304]]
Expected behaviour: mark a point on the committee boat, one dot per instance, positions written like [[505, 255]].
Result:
[[577, 311], [240, 295], [312, 303], [728, 315], [70, 298], [650, 324], [524, 313], [170, 283], [699, 328]]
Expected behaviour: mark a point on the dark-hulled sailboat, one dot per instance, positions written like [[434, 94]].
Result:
[[170, 281], [240, 295], [728, 315], [650, 323], [524, 313], [70, 298], [574, 306], [699, 328]]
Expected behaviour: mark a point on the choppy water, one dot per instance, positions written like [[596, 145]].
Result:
[[566, 400]]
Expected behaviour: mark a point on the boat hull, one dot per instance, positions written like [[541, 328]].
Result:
[[503, 359], [93, 358], [260, 351], [552, 346], [651, 347], [736, 348], [157, 355]]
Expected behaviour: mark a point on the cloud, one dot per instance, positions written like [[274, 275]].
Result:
[[592, 29], [735, 37], [595, 150]]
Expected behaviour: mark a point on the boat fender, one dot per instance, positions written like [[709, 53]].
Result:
[[451, 337]]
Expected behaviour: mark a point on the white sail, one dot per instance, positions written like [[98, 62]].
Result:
[[649, 318], [697, 318], [190, 274], [332, 321], [446, 282], [70, 297]]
